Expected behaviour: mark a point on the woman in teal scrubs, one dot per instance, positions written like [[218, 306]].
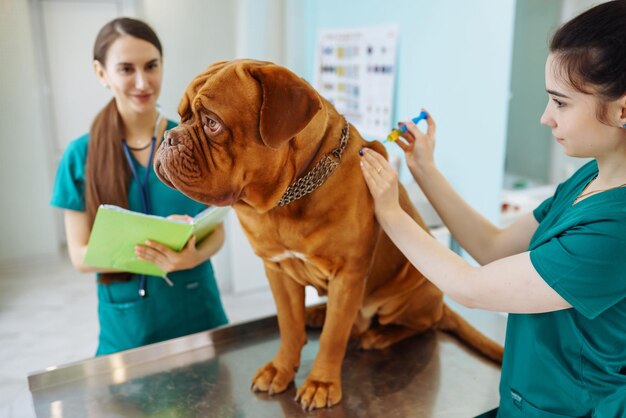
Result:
[[560, 271], [112, 164]]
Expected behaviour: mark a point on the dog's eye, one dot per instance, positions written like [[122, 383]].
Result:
[[211, 124]]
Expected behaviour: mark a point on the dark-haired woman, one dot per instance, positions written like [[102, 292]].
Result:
[[113, 165], [560, 271]]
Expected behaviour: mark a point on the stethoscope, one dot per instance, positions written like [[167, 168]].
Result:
[[144, 188]]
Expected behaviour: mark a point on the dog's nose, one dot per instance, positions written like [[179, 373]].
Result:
[[170, 139]]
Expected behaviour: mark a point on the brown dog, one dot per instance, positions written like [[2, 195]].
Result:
[[256, 136]]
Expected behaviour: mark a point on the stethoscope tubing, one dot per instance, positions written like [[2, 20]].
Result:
[[144, 187]]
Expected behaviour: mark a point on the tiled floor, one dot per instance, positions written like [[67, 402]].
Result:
[[48, 317]]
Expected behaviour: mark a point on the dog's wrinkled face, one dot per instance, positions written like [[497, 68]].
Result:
[[236, 119]]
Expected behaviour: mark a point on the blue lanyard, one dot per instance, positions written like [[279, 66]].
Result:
[[144, 191], [144, 187]]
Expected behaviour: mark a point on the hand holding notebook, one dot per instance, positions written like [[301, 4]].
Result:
[[116, 231]]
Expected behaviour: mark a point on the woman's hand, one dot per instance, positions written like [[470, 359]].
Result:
[[382, 182], [167, 259], [418, 147]]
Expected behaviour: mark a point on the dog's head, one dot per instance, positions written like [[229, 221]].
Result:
[[238, 119]]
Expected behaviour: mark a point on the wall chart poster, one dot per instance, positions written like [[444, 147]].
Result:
[[355, 71]]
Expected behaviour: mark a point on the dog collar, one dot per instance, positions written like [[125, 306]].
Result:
[[318, 175]]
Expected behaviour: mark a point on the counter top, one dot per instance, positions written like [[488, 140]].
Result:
[[209, 374]]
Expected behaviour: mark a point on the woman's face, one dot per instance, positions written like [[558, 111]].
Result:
[[133, 71], [571, 115]]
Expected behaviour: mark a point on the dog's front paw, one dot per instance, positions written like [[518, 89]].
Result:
[[315, 394], [272, 379]]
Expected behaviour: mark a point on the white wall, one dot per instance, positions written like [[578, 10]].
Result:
[[528, 146], [260, 29], [26, 223], [194, 34]]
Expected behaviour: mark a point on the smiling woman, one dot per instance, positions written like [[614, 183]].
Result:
[[113, 165], [132, 70]]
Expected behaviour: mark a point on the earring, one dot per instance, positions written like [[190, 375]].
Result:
[[624, 126]]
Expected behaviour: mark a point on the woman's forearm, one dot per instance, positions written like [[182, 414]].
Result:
[[209, 246], [510, 284], [77, 255]]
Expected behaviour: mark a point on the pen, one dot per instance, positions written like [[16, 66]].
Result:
[[142, 286]]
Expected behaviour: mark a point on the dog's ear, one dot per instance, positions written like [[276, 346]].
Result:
[[288, 104], [184, 105]]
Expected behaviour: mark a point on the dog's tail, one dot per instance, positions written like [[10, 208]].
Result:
[[453, 323]]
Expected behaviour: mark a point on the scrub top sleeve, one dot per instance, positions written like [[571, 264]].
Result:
[[586, 265], [541, 211], [69, 184]]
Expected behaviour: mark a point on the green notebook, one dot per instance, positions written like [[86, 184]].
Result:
[[116, 231]]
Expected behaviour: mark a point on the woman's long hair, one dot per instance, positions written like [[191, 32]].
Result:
[[107, 173]]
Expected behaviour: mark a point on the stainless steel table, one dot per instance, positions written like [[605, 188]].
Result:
[[208, 375]]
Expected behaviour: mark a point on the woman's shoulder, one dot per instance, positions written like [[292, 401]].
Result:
[[77, 148], [68, 191]]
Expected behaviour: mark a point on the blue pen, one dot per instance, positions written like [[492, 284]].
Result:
[[395, 134]]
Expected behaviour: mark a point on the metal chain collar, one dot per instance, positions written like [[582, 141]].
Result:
[[318, 175]]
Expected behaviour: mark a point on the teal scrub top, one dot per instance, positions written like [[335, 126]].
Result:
[[572, 363], [126, 320]]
